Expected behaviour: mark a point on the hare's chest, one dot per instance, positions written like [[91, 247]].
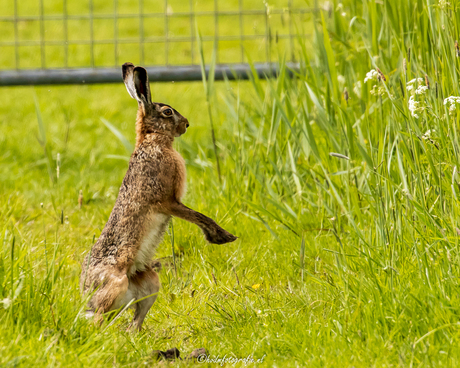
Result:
[[180, 182], [154, 227]]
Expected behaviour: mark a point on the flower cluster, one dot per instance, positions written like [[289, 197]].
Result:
[[430, 137], [443, 4], [417, 87], [421, 89], [428, 134], [452, 101], [377, 75], [415, 106], [378, 91], [372, 75]]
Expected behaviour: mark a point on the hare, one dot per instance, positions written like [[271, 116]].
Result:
[[119, 268]]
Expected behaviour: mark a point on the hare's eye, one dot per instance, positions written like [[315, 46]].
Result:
[[167, 112]]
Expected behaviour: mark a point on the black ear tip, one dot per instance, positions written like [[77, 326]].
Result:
[[140, 71], [126, 67], [141, 74]]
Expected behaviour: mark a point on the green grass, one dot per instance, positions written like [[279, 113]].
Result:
[[116, 38], [338, 262]]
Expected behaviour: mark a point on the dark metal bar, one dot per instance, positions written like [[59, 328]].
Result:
[[156, 74]]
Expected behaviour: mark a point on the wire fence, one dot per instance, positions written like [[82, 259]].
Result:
[[46, 35]]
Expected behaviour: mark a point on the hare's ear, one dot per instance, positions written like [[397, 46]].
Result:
[[141, 85], [128, 75]]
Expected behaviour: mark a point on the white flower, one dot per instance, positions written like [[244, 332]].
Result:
[[6, 302], [414, 106], [379, 91], [418, 80], [452, 101], [428, 133], [443, 4], [421, 90], [371, 75]]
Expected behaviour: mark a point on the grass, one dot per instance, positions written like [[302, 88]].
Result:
[[339, 262], [100, 33]]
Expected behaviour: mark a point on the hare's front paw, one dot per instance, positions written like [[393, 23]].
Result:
[[219, 236]]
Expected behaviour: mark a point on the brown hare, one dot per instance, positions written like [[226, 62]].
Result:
[[119, 268]]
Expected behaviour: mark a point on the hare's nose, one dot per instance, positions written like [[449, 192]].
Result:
[[187, 125]]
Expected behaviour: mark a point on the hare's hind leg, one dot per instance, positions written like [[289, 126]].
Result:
[[110, 295], [143, 284]]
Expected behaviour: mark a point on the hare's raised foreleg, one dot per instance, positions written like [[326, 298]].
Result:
[[213, 232], [141, 285]]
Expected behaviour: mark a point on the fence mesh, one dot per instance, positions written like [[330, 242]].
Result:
[[50, 34]]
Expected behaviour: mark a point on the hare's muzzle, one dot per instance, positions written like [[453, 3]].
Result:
[[182, 127]]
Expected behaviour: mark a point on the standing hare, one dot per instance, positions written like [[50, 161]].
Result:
[[119, 268]]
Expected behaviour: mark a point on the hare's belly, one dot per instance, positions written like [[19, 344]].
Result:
[[155, 226]]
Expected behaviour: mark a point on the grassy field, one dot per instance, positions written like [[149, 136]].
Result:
[[103, 33], [341, 183]]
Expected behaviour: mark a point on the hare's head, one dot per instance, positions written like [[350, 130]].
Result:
[[153, 117]]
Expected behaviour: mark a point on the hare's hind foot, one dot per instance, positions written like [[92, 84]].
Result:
[[143, 285]]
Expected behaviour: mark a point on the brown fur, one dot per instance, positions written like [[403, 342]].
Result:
[[119, 267], [140, 133]]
